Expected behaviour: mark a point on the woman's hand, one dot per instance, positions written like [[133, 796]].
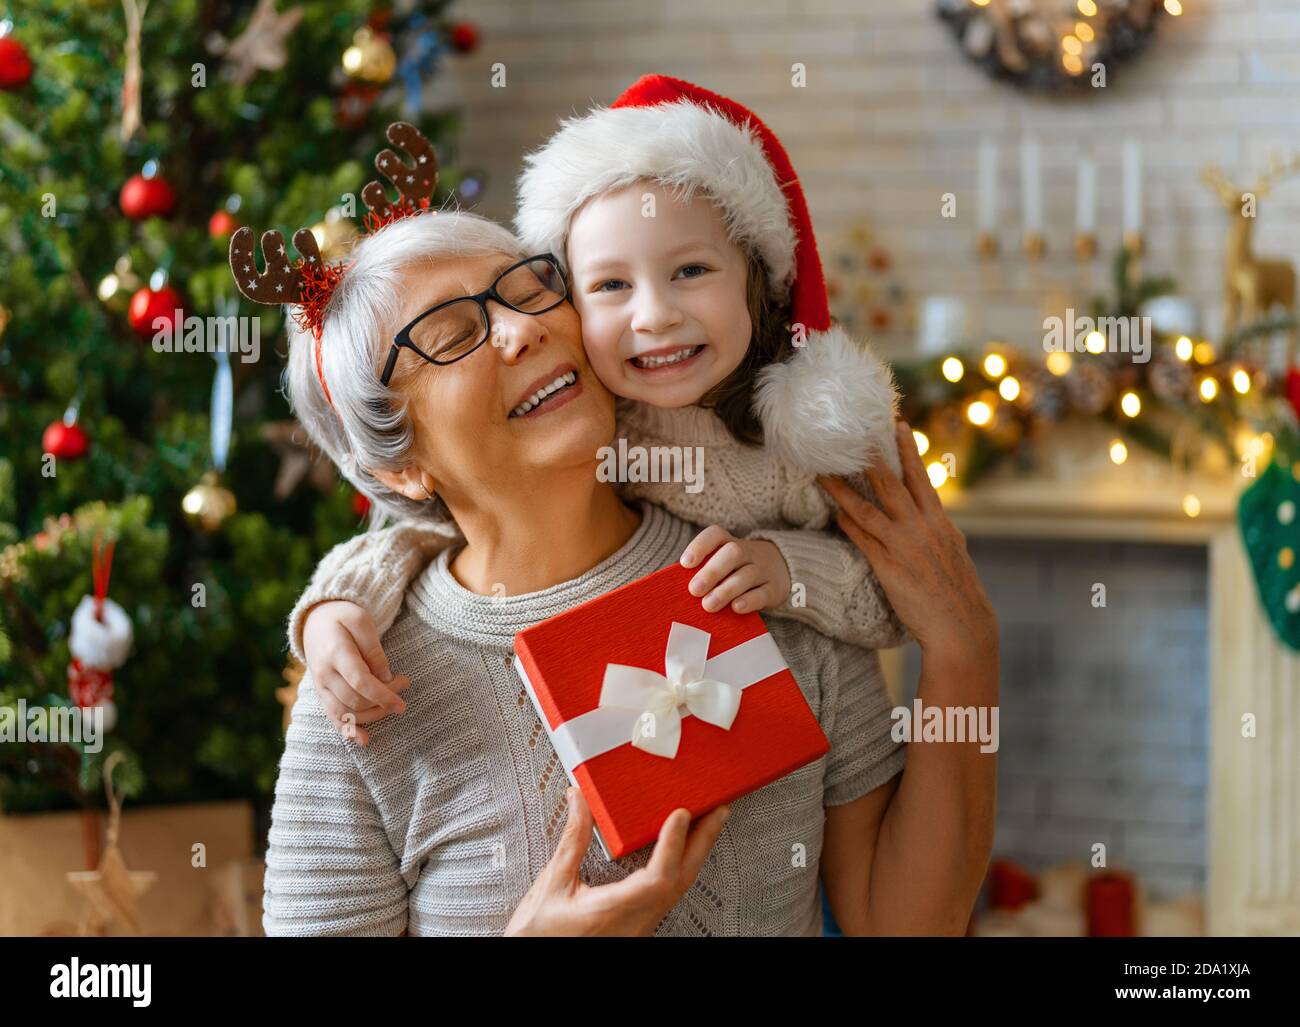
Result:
[[751, 574], [559, 903], [920, 557], [349, 669]]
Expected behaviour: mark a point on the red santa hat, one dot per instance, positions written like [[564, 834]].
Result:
[[831, 406]]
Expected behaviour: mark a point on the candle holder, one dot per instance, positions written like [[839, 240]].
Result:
[[1034, 245], [1085, 246], [986, 245]]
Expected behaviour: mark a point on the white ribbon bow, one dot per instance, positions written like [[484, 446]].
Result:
[[658, 698]]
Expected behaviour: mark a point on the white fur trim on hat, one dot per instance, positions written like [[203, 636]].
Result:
[[104, 644], [682, 145], [830, 407]]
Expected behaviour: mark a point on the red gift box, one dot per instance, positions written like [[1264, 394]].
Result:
[[633, 645]]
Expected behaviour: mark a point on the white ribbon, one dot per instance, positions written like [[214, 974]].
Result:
[[656, 698], [710, 689]]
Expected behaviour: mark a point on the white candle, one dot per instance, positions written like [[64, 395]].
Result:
[[987, 198], [942, 325], [1031, 186], [1132, 186], [1085, 201]]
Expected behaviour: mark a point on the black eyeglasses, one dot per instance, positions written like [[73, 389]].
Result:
[[453, 330]]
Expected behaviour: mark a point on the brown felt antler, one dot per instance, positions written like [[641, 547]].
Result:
[[281, 282], [415, 182]]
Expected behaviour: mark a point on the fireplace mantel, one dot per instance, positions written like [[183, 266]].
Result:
[[1076, 492], [1253, 820]]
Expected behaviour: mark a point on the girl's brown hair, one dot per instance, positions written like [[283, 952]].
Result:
[[732, 399]]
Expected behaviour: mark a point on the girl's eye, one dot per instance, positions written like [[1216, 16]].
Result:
[[693, 271], [609, 285]]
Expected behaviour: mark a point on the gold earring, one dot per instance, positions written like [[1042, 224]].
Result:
[[429, 494]]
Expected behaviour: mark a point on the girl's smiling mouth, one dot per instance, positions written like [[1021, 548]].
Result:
[[662, 360]]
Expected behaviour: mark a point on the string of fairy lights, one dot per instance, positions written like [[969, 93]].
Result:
[[987, 402]]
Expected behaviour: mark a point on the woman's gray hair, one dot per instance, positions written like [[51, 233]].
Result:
[[368, 426]]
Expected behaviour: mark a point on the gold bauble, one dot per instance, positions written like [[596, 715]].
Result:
[[116, 288], [335, 237], [5, 317], [208, 504], [369, 58]]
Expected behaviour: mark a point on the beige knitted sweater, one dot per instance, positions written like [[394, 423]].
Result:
[[746, 489], [440, 825]]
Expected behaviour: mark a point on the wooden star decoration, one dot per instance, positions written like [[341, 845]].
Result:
[[261, 46], [299, 459], [110, 891]]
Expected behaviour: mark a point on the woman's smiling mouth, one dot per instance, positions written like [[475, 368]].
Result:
[[558, 392]]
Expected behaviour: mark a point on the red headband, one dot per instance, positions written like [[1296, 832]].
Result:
[[309, 283]]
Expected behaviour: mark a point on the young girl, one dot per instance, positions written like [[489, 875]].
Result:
[[692, 262]]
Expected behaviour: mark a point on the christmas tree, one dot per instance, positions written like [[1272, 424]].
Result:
[[134, 139]]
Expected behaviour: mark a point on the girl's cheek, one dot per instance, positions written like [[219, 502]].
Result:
[[603, 355], [600, 338]]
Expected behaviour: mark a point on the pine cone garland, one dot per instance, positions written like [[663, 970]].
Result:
[[1089, 388]]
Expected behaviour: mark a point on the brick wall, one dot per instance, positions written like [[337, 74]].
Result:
[[892, 116], [1104, 712]]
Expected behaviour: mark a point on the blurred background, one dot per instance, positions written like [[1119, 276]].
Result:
[[984, 178]]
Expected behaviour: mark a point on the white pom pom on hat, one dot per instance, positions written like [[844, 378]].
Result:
[[830, 408], [104, 644], [830, 404]]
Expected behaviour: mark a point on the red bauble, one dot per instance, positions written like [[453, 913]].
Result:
[[464, 37], [360, 504], [149, 304], [15, 65], [147, 197], [1293, 389], [65, 441], [222, 224]]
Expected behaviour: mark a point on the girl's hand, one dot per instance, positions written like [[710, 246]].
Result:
[[349, 669], [559, 903], [920, 557], [751, 574]]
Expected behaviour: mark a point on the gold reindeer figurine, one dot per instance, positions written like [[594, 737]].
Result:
[[1253, 285]]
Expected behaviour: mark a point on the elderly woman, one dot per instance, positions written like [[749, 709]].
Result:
[[456, 818]]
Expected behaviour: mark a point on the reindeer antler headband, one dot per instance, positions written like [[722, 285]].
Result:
[[309, 283]]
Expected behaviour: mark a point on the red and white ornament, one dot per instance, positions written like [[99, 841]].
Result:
[[100, 642]]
